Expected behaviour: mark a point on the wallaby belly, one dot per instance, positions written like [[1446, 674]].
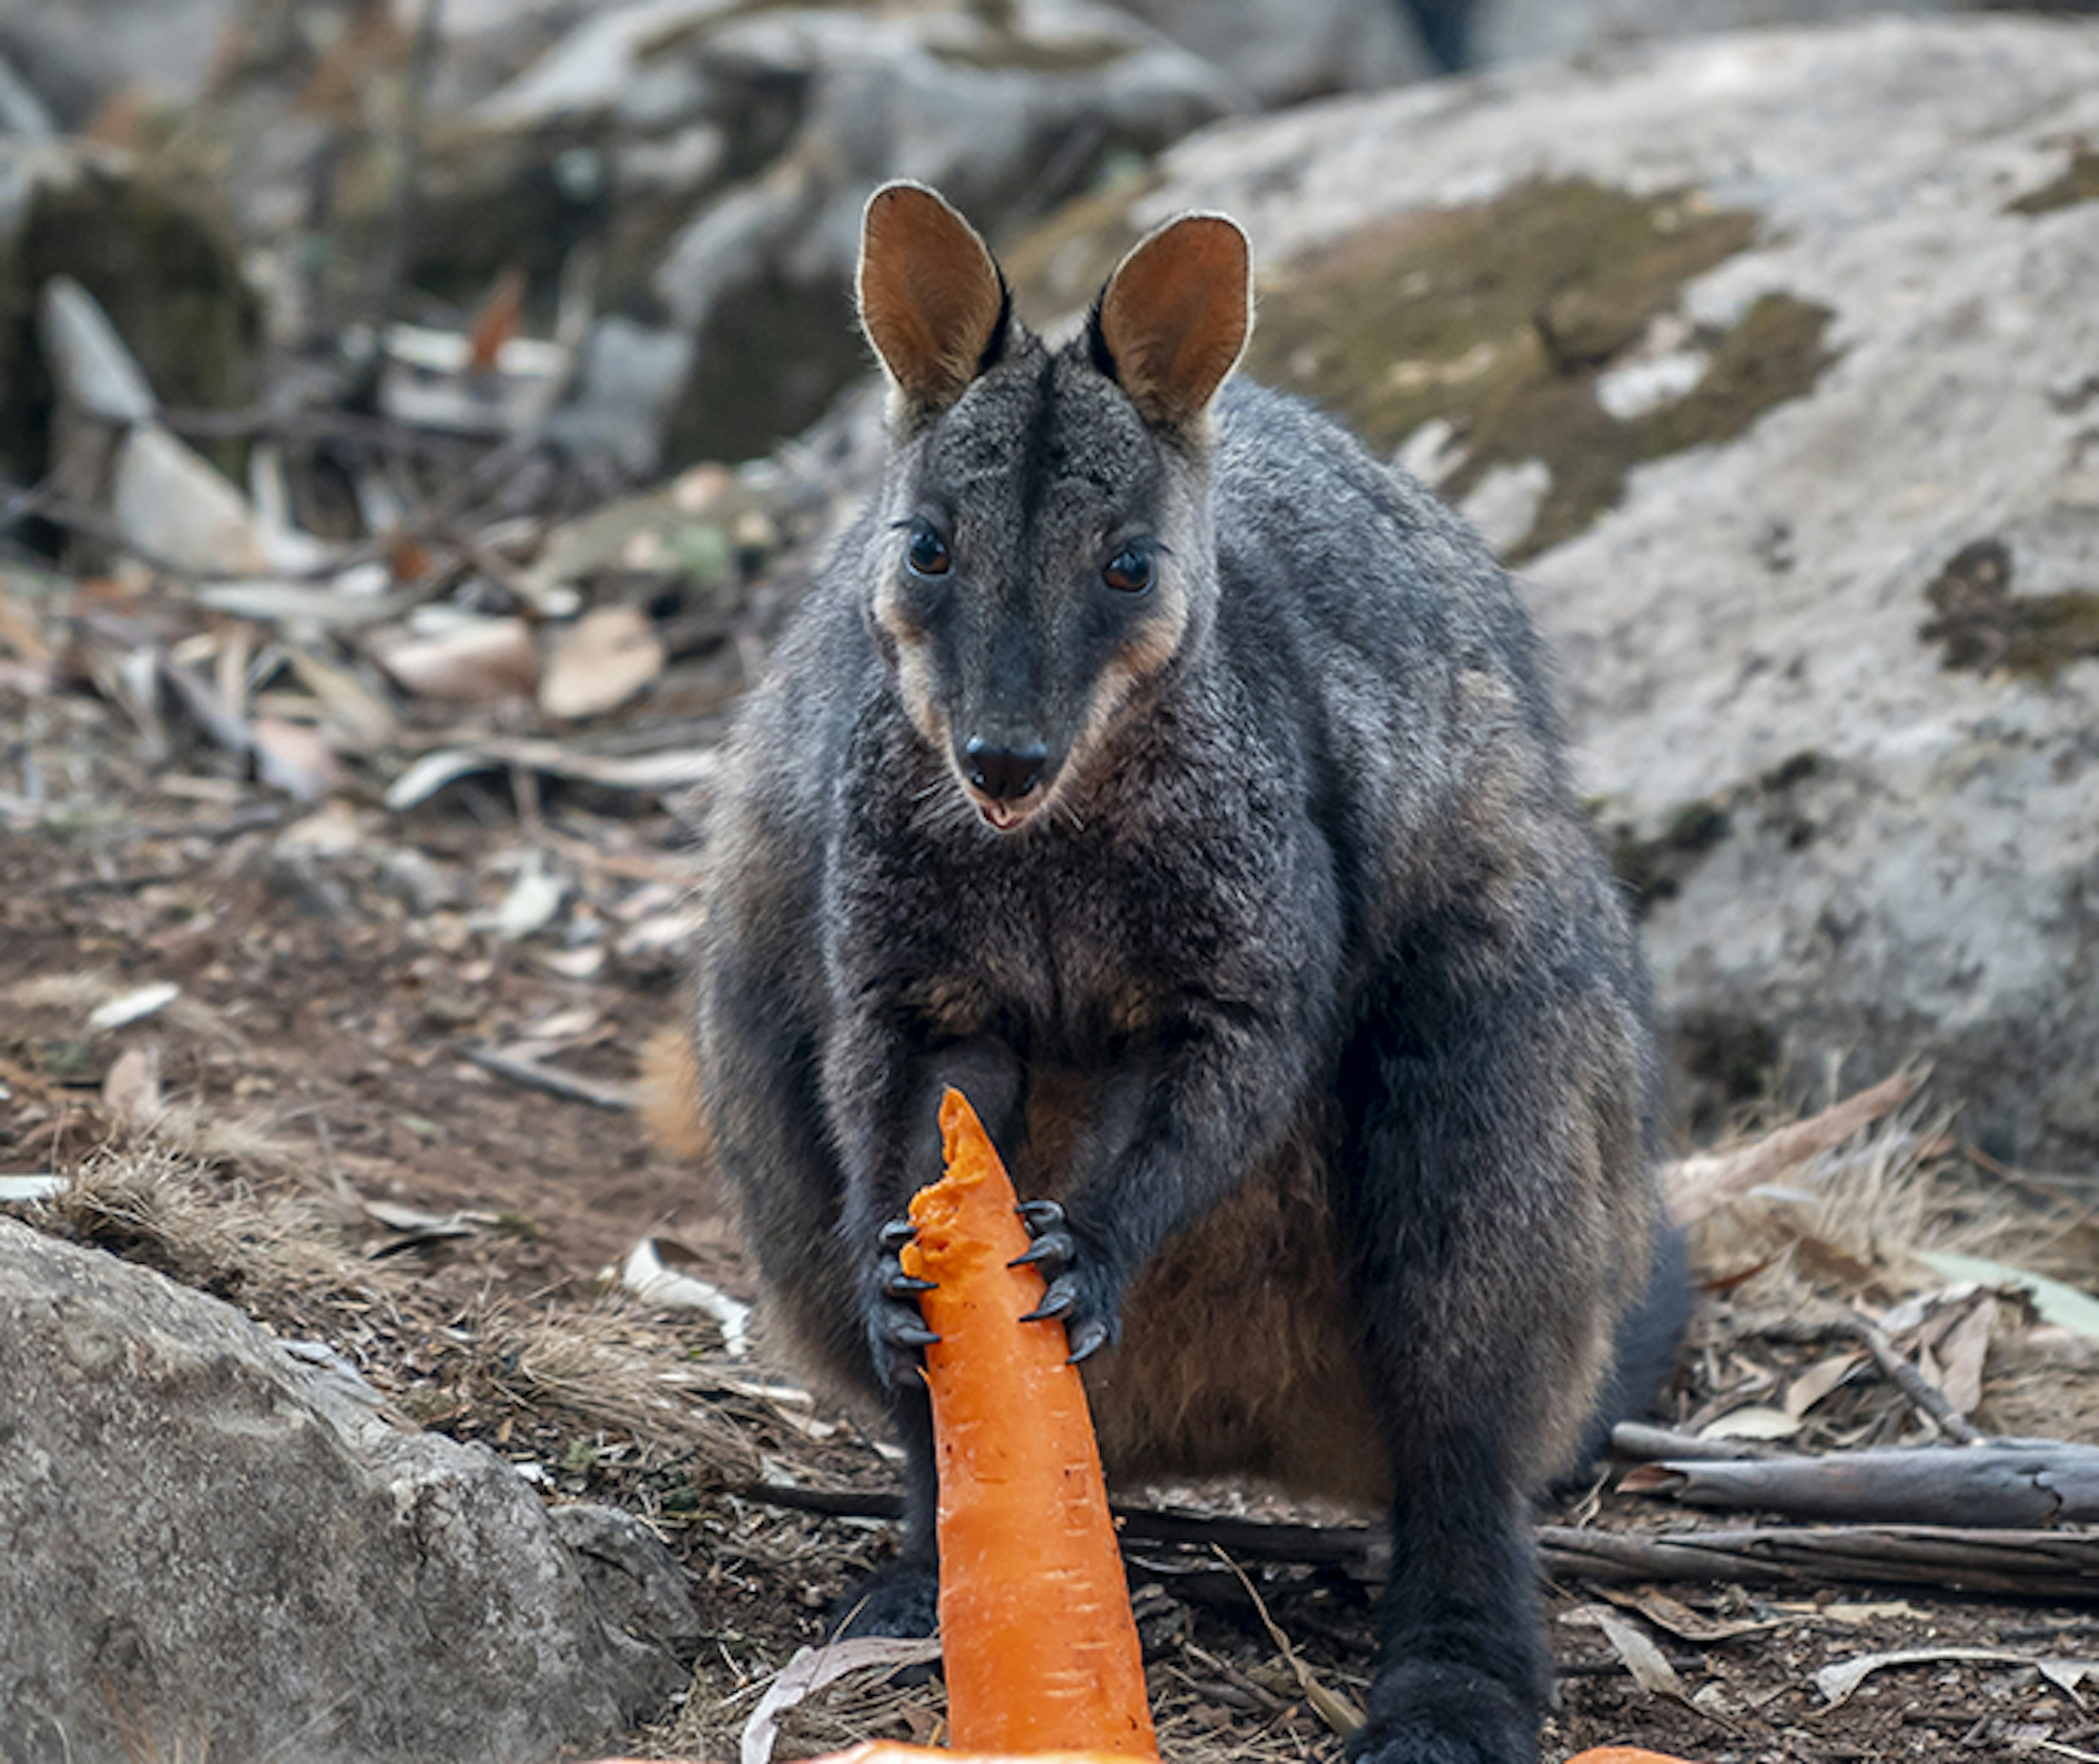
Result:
[[1238, 1355]]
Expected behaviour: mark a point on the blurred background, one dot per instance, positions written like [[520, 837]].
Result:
[[418, 419]]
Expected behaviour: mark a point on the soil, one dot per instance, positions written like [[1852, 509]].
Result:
[[330, 991]]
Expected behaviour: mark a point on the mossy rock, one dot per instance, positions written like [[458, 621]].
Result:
[[1656, 868], [1984, 626], [1499, 319], [2078, 182], [168, 276]]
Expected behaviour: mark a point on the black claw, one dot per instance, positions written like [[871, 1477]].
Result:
[[1040, 1215], [1042, 1250], [912, 1334], [898, 1233], [1054, 1303], [1086, 1339], [903, 1285]]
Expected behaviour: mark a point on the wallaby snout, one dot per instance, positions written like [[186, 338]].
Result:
[[1004, 770]]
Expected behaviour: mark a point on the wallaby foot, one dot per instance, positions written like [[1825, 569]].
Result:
[[1439, 1712], [902, 1599]]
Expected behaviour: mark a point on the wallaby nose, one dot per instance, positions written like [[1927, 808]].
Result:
[[1004, 773]]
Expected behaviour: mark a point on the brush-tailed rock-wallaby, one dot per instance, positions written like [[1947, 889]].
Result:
[[1182, 784]]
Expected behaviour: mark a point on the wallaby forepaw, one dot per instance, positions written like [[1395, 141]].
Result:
[[1078, 1290], [896, 1331]]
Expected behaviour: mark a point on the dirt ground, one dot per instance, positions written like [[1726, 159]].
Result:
[[334, 1161]]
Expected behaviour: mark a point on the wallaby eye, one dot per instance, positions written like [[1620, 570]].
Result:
[[927, 552], [1130, 570]]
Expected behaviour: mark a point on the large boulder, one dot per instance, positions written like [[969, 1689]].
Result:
[[1774, 359], [210, 1547]]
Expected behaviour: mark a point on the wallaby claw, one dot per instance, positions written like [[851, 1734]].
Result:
[[898, 1233], [1040, 1215], [1086, 1339], [901, 1285], [1059, 1297]]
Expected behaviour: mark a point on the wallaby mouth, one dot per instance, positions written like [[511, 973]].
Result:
[[1007, 780]]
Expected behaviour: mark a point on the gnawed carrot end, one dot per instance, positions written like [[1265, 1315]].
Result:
[[1617, 1754], [1041, 1651]]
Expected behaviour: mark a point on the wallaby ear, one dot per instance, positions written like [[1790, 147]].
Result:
[[1174, 317], [931, 299]]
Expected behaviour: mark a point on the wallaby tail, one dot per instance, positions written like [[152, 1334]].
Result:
[[1650, 1337], [672, 1114]]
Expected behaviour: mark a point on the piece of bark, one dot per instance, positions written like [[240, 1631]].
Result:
[[2027, 1565], [2011, 1484]]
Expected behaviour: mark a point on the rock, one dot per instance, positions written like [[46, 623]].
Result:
[[165, 274], [21, 112], [1281, 51], [1827, 619], [719, 154], [79, 55], [220, 1546]]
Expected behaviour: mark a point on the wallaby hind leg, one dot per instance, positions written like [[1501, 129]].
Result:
[[1482, 1229]]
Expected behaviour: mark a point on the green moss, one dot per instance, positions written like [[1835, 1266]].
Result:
[[2078, 182], [1497, 319], [1657, 869], [1984, 626]]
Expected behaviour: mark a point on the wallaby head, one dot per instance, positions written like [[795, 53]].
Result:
[[1046, 548]]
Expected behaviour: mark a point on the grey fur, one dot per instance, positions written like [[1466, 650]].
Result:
[[1303, 986]]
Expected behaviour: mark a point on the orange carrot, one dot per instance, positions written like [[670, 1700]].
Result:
[[1041, 1651], [1619, 1754]]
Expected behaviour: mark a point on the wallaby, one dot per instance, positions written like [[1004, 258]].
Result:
[[1181, 783]]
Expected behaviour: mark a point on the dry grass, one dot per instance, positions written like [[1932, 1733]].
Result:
[[1844, 1231], [160, 1204]]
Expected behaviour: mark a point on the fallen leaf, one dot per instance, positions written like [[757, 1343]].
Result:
[[1851, 1611], [670, 769], [133, 1006], [1819, 1380], [1678, 1619], [294, 758], [476, 661], [2053, 1301], [533, 901], [500, 318], [1697, 1186], [603, 660], [1640, 1655], [813, 1668], [1836, 1682], [131, 1088], [1755, 1422]]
